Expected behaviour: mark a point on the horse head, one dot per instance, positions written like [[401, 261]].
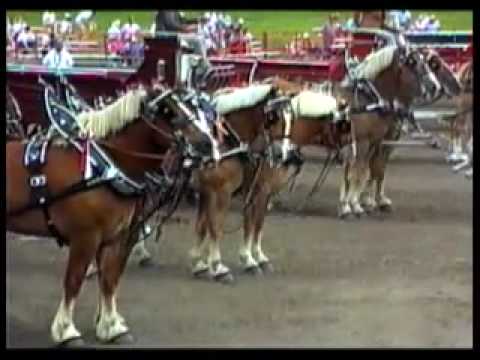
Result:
[[400, 73], [166, 112], [416, 79], [449, 84]]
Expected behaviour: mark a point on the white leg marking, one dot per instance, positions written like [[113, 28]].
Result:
[[257, 250], [110, 324], [246, 258], [63, 328], [141, 251], [91, 270]]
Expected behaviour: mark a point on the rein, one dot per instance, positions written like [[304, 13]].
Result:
[[131, 153]]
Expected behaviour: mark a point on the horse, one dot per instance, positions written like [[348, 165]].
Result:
[[449, 86], [248, 125], [336, 118], [399, 88], [95, 216], [462, 122], [369, 127]]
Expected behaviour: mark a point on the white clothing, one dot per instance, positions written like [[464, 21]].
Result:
[[65, 27], [62, 60], [84, 16], [128, 31], [114, 32], [26, 38], [48, 18]]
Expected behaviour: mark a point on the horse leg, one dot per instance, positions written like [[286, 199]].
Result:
[[247, 261], [111, 259], [82, 250], [344, 209], [366, 198], [360, 175], [217, 209], [140, 250], [199, 265], [455, 154], [259, 218], [384, 203]]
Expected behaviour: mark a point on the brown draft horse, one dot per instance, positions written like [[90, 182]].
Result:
[[395, 80], [217, 185], [449, 86], [407, 78], [96, 223], [462, 123]]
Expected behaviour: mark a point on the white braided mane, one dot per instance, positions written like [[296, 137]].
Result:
[[101, 123], [375, 63]]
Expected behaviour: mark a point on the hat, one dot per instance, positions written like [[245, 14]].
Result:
[[67, 15], [240, 21]]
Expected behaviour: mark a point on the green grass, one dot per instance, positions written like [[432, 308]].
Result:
[[280, 25]]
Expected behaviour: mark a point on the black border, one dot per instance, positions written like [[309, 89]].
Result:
[[286, 5]]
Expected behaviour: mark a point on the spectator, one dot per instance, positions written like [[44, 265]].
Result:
[[48, 19], [350, 24], [113, 32], [17, 27], [58, 57], [66, 27], [26, 39], [129, 30], [433, 24], [237, 43], [83, 19], [329, 32]]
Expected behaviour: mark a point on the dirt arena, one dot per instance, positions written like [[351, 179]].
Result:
[[397, 280]]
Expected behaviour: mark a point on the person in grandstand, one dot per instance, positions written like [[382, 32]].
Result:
[[26, 38], [48, 19], [58, 57], [66, 26]]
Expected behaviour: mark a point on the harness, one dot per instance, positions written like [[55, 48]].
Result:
[[104, 171]]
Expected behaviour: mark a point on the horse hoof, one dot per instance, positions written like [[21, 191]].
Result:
[[122, 339], [346, 216], [369, 209], [359, 214], [225, 278], [146, 263], [201, 273], [386, 208], [72, 343], [253, 270], [267, 267]]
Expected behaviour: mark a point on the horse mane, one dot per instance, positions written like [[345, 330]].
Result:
[[114, 117], [375, 63], [465, 74]]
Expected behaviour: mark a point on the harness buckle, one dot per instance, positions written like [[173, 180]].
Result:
[[38, 181]]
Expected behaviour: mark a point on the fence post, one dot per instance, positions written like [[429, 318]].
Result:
[[265, 40]]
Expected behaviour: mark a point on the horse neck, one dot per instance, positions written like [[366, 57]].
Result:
[[385, 83], [136, 137]]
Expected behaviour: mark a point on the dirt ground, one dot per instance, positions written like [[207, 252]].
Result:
[[397, 280]]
